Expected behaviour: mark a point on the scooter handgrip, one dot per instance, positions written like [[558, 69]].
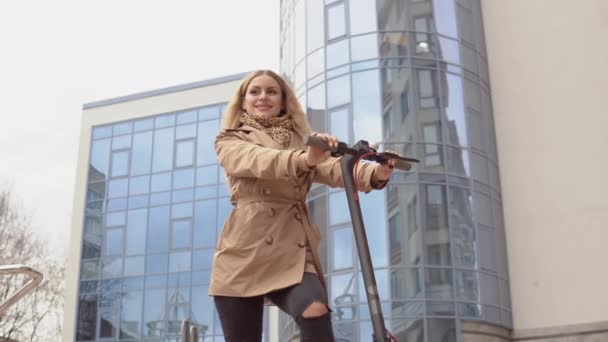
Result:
[[403, 165], [318, 142]]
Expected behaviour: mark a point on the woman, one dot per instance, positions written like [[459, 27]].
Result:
[[268, 248]]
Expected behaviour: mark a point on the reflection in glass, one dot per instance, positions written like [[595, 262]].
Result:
[[373, 205], [100, 159], [156, 263], [207, 175], [316, 63], [466, 286], [180, 237], [438, 283], [134, 266], [122, 128], [406, 283], [343, 295], [130, 315], [161, 182], [463, 229], [205, 223], [360, 19], [436, 233], [179, 262], [208, 113], [408, 330], [139, 185], [154, 302], [382, 282], [186, 117], [202, 310], [108, 324], [86, 328], [183, 178], [205, 152], [113, 245], [443, 330], [121, 142], [364, 47]]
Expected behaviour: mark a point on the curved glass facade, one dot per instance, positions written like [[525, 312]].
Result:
[[413, 76], [155, 203]]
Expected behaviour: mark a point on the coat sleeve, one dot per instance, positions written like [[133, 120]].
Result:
[[329, 173], [241, 158]]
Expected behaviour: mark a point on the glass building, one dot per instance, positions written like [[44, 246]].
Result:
[[155, 202], [411, 75]]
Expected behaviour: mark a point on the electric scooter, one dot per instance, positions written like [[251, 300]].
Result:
[[350, 158]]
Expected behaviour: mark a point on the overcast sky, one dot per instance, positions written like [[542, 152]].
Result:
[[57, 55]]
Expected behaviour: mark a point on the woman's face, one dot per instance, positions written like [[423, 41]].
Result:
[[263, 97]]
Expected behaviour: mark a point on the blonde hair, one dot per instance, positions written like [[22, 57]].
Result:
[[289, 101]]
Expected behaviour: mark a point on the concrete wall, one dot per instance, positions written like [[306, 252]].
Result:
[[548, 63], [131, 107]]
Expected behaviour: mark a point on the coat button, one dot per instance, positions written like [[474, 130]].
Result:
[[301, 244], [269, 240], [271, 212], [266, 191], [298, 216]]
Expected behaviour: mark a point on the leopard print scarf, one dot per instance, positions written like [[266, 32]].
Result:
[[279, 128]]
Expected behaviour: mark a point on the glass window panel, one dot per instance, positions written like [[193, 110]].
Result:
[[158, 230], [361, 18], [338, 208], [179, 262], [316, 63], [468, 310], [208, 113], [315, 24], [337, 54], [100, 160], [373, 205], [185, 131], [184, 153], [207, 175], [164, 120], [224, 208], [364, 47], [426, 88], [160, 198], [133, 283], [130, 315], [161, 182], [121, 142], [340, 124], [338, 91], [181, 210], [463, 228], [202, 308], [156, 264], [183, 195], [366, 106], [102, 132], [299, 21], [108, 324], [202, 259], [179, 279], [343, 248], [206, 192], [111, 267], [343, 290], [487, 249], [403, 227], [381, 282], [300, 76], [458, 161], [181, 234], [450, 53], [123, 128], [201, 278], [183, 179], [134, 266], [115, 219], [113, 244], [445, 18], [143, 125], [438, 283], [488, 286], [90, 269], [141, 153], [205, 223], [455, 112], [88, 286], [336, 25], [316, 108], [157, 281], [466, 286], [205, 151], [406, 283], [443, 330], [136, 202], [139, 185], [479, 167], [187, 117], [86, 329], [116, 204], [154, 303], [482, 208], [162, 158]]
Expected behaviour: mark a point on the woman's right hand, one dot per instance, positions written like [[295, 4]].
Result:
[[315, 155]]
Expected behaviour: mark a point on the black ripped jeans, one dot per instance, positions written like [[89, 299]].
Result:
[[242, 317]]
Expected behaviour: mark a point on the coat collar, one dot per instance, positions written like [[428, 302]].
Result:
[[267, 141]]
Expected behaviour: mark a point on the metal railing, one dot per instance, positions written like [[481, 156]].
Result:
[[36, 279], [189, 333]]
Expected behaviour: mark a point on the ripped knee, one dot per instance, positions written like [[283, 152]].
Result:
[[315, 309]]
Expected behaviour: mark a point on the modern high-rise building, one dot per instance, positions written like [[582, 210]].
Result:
[[493, 236]]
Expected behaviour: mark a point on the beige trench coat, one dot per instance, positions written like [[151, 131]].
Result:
[[262, 247]]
